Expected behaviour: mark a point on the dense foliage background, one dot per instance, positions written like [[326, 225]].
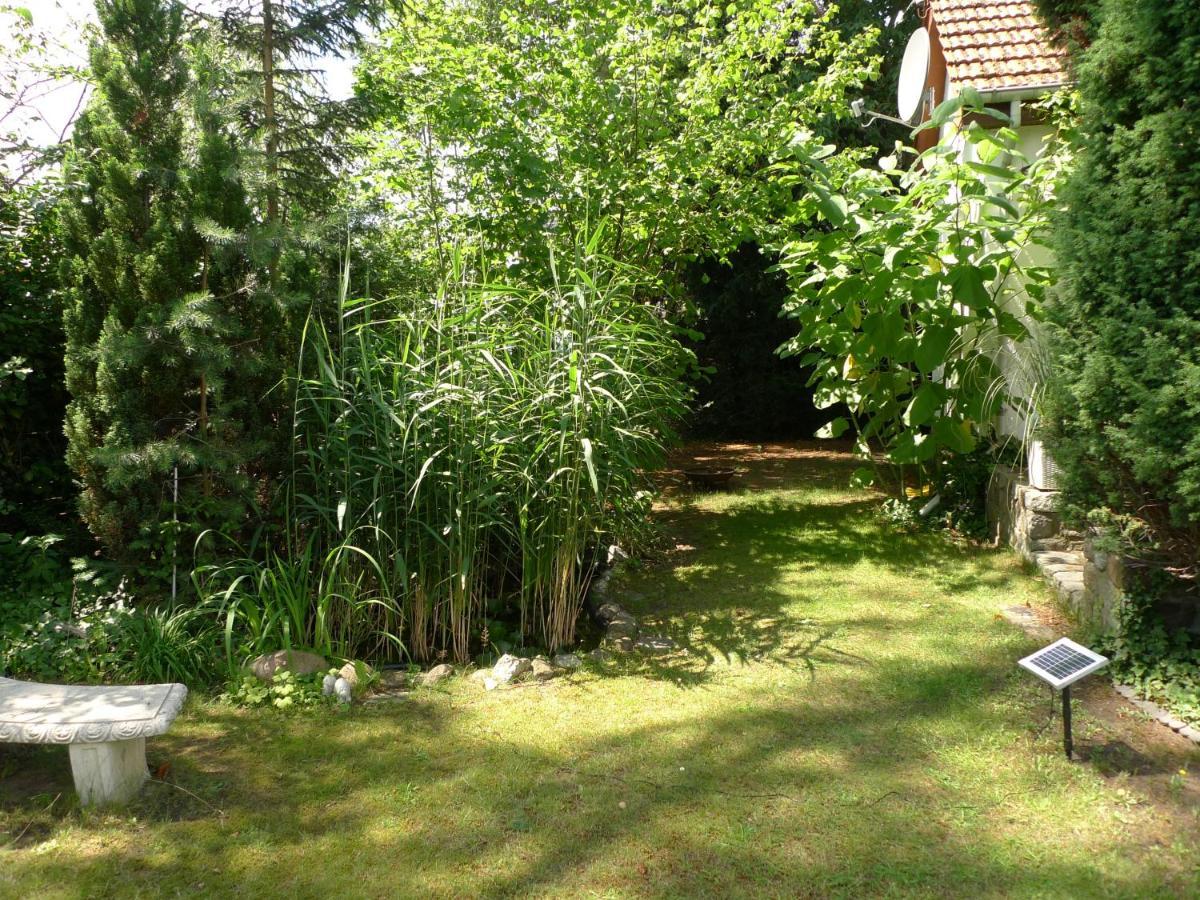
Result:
[[745, 390], [378, 376], [1125, 410], [35, 488]]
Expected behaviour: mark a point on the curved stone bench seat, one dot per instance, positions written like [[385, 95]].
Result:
[[106, 728]]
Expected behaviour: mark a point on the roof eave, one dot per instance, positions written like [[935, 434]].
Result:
[[1023, 92]]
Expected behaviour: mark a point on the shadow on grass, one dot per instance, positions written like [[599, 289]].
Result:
[[746, 570], [886, 784], [782, 799]]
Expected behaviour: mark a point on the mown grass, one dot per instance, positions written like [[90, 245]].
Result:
[[848, 721]]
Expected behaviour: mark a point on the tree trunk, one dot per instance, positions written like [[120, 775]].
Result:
[[272, 154]]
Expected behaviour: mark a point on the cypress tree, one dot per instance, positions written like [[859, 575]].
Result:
[[1125, 410]]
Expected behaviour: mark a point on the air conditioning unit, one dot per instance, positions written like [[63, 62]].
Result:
[[1043, 473]]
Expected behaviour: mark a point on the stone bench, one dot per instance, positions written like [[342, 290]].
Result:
[[106, 728]]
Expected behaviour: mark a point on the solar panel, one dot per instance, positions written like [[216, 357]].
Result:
[[1063, 663]]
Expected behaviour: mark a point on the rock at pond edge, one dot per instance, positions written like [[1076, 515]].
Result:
[[298, 662]]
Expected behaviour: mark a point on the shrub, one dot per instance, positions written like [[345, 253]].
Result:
[[1124, 417], [917, 281]]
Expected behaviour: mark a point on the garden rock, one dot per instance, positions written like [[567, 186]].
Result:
[[542, 670], [298, 662], [622, 643], [1041, 501], [349, 674], [437, 674], [625, 626], [479, 676], [654, 644], [509, 668], [599, 655], [607, 611], [1041, 526], [568, 661]]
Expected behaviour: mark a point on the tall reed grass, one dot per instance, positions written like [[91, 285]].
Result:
[[464, 451]]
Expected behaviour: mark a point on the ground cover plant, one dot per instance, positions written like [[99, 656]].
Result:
[[847, 721]]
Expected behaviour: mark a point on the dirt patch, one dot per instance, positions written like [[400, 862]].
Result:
[[758, 466]]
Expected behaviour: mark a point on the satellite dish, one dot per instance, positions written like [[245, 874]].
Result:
[[914, 71]]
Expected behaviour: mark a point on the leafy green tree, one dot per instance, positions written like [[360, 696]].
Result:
[[1070, 20], [511, 121], [1125, 423], [893, 21]]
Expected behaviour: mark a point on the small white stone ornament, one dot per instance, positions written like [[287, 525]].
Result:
[[343, 690]]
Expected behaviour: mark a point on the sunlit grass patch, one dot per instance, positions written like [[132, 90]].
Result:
[[845, 719]]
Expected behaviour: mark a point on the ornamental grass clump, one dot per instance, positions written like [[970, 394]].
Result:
[[460, 452]]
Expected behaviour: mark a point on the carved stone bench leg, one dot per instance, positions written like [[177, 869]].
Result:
[[110, 773]]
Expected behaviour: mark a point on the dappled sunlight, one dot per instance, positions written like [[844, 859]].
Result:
[[842, 717]]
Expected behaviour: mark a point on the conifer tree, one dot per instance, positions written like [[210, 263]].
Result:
[[297, 132], [131, 261], [1124, 421], [167, 357]]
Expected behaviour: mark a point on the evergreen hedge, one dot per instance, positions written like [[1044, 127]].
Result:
[[1124, 413]]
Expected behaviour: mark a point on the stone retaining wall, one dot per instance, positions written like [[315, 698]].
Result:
[[1088, 582], [1104, 576]]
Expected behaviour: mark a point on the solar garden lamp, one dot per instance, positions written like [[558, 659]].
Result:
[[1061, 665]]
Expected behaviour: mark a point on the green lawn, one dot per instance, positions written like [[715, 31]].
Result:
[[848, 721]]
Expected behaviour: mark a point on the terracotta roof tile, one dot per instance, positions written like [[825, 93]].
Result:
[[997, 45]]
